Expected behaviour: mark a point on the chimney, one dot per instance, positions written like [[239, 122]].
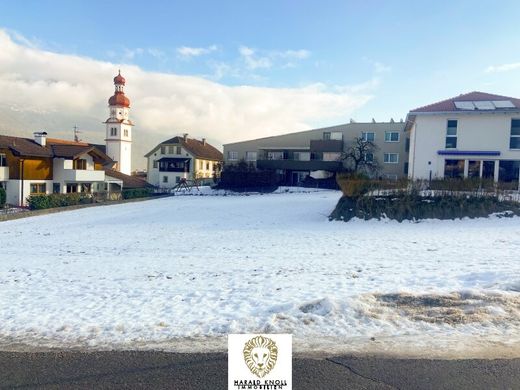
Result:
[[203, 141], [40, 137], [185, 136]]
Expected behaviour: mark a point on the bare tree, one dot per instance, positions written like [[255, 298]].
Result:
[[360, 157]]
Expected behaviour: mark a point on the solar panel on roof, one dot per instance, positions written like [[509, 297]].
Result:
[[503, 104], [484, 105], [464, 105]]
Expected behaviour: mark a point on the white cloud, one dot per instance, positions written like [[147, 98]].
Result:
[[188, 52], [51, 91], [255, 59], [503, 67], [252, 60]]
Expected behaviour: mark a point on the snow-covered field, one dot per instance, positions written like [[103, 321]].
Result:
[[181, 273]]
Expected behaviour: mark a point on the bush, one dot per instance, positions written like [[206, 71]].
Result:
[[136, 193], [406, 206], [2, 197], [39, 202], [243, 176]]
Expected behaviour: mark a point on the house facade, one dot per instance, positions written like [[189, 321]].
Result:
[[181, 158], [471, 135], [317, 153], [44, 166]]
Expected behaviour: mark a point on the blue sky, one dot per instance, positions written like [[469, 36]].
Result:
[[424, 50], [389, 56]]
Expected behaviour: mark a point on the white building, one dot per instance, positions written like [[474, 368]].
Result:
[[119, 128], [182, 158], [471, 135]]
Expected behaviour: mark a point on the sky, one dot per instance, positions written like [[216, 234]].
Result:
[[236, 70]]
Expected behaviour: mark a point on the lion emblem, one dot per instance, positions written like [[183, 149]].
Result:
[[260, 354]]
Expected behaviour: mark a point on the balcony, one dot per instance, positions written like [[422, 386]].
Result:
[[326, 145], [81, 175], [4, 173], [297, 165]]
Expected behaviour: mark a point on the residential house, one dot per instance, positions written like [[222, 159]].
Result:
[[317, 153], [44, 166], [182, 158], [472, 135]]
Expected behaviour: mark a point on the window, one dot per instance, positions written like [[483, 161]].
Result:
[[177, 179], [56, 188], [331, 156], [336, 135], [80, 164], [451, 134], [207, 165], [369, 157], [165, 179], [391, 158], [508, 170], [406, 168], [3, 160], [232, 156], [155, 163], [301, 156], [113, 131], [473, 168], [275, 155], [179, 151], [170, 149], [38, 188], [454, 168], [514, 140], [326, 136], [391, 136], [163, 149], [368, 136], [200, 164], [251, 156], [407, 145], [72, 187], [126, 132]]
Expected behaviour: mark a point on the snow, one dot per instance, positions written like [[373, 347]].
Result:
[[180, 273]]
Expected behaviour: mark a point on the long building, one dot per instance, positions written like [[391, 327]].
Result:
[[318, 152]]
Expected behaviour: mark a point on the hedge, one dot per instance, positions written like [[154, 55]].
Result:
[[136, 193], [414, 207], [2, 197], [38, 202]]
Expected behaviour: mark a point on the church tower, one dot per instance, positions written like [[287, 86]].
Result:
[[119, 128]]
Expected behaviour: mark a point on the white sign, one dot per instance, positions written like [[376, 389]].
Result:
[[260, 362]]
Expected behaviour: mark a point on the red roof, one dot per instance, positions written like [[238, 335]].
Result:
[[119, 99], [449, 104], [119, 79]]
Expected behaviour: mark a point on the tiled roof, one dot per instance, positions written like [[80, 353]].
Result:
[[54, 148], [449, 104], [197, 148], [128, 181]]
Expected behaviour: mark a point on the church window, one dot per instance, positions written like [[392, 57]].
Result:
[[126, 132], [113, 131]]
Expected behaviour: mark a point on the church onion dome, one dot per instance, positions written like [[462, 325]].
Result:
[[119, 79], [119, 99]]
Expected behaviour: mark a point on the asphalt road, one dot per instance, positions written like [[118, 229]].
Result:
[[160, 370]]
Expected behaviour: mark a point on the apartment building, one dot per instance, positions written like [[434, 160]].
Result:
[[317, 153], [472, 135]]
